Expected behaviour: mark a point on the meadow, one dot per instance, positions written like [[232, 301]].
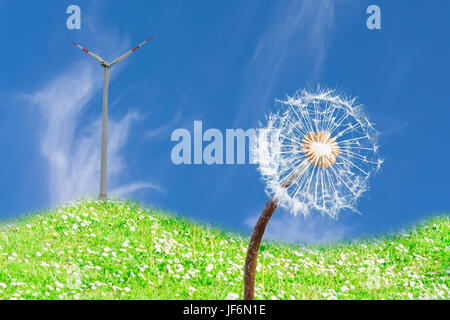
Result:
[[92, 249]]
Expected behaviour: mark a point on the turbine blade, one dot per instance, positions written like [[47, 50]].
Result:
[[96, 57], [129, 52]]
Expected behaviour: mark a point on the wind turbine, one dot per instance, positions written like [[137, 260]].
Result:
[[104, 155]]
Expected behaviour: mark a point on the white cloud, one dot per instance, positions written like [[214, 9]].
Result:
[[389, 125], [313, 229], [304, 25], [164, 130], [70, 145], [301, 30], [133, 187]]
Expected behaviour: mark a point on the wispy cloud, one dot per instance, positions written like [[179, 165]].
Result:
[[136, 186], [306, 25], [163, 131], [389, 125], [72, 147], [302, 29], [314, 229]]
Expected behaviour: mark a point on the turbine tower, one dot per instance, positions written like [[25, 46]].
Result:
[[104, 155]]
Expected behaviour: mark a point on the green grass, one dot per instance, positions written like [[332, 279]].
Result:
[[120, 250]]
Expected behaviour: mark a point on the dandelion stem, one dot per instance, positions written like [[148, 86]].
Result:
[[253, 248]]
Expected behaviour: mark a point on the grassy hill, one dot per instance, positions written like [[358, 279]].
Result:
[[119, 250]]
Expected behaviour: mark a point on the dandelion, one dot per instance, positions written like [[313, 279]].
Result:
[[316, 155]]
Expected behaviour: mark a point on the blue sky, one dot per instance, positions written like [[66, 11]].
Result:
[[222, 62]]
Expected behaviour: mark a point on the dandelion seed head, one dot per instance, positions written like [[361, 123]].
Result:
[[317, 153]]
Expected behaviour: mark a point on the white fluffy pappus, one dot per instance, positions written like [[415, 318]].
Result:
[[317, 153]]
